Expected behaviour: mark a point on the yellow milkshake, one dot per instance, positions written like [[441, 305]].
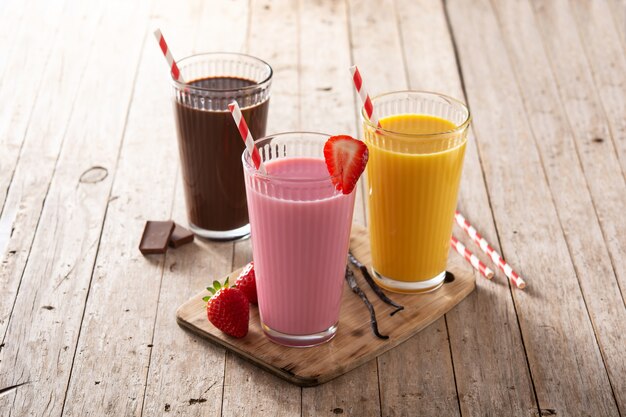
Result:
[[414, 170]]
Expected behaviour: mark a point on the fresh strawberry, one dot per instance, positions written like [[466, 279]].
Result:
[[247, 282], [228, 309], [346, 158]]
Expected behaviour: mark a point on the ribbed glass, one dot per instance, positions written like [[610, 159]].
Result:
[[300, 236], [222, 65], [413, 173], [209, 143]]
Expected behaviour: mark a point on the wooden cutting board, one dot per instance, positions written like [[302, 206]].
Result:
[[354, 343]]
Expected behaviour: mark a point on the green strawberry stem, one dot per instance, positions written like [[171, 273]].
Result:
[[214, 289]]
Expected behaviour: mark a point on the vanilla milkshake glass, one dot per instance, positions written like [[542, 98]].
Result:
[[300, 228]]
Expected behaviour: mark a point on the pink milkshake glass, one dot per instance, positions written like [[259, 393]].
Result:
[[300, 228]]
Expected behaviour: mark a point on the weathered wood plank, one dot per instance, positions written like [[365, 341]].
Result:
[[328, 105], [605, 55], [24, 67], [120, 359], [598, 130], [11, 15], [559, 146], [186, 373], [41, 147], [42, 334], [618, 13], [475, 325], [407, 373], [352, 394], [378, 51], [272, 36], [590, 107], [565, 362]]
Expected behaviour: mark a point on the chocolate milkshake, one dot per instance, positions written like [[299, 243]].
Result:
[[209, 143]]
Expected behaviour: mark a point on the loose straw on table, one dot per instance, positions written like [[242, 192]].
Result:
[[246, 136], [471, 258], [168, 56], [486, 247]]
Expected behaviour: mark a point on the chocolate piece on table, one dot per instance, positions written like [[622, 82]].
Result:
[[180, 236], [156, 236]]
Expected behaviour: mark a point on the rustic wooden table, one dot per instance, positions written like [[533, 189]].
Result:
[[88, 152]]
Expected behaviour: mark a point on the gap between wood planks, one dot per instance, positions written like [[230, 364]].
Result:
[[492, 214], [7, 218], [591, 346], [603, 337], [121, 145]]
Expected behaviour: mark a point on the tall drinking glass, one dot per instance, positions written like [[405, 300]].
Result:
[[413, 173], [209, 142], [300, 238]]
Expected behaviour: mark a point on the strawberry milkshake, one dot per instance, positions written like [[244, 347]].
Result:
[[300, 217]]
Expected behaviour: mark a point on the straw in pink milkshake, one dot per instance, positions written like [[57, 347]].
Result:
[[246, 136]]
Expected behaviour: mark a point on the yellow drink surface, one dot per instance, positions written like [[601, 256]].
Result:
[[413, 184]]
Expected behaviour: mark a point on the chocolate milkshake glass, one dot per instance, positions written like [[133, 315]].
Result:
[[209, 142]]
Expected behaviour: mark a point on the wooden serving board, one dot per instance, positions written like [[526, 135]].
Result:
[[354, 343]]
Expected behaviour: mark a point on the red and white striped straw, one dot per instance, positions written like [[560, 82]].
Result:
[[471, 258], [486, 247], [365, 97], [168, 56], [246, 136]]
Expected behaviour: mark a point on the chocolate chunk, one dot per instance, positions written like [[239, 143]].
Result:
[[180, 236], [156, 236]]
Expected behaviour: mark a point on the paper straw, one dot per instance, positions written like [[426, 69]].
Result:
[[246, 136], [365, 97], [486, 247], [471, 258], [168, 56]]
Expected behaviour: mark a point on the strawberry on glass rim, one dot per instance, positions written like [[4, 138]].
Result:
[[346, 158]]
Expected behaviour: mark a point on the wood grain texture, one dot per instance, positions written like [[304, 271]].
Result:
[[596, 129], [354, 343], [605, 54], [186, 374], [618, 14], [475, 327], [146, 173], [24, 67], [42, 339], [41, 146], [558, 147], [557, 331], [11, 14], [545, 82]]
